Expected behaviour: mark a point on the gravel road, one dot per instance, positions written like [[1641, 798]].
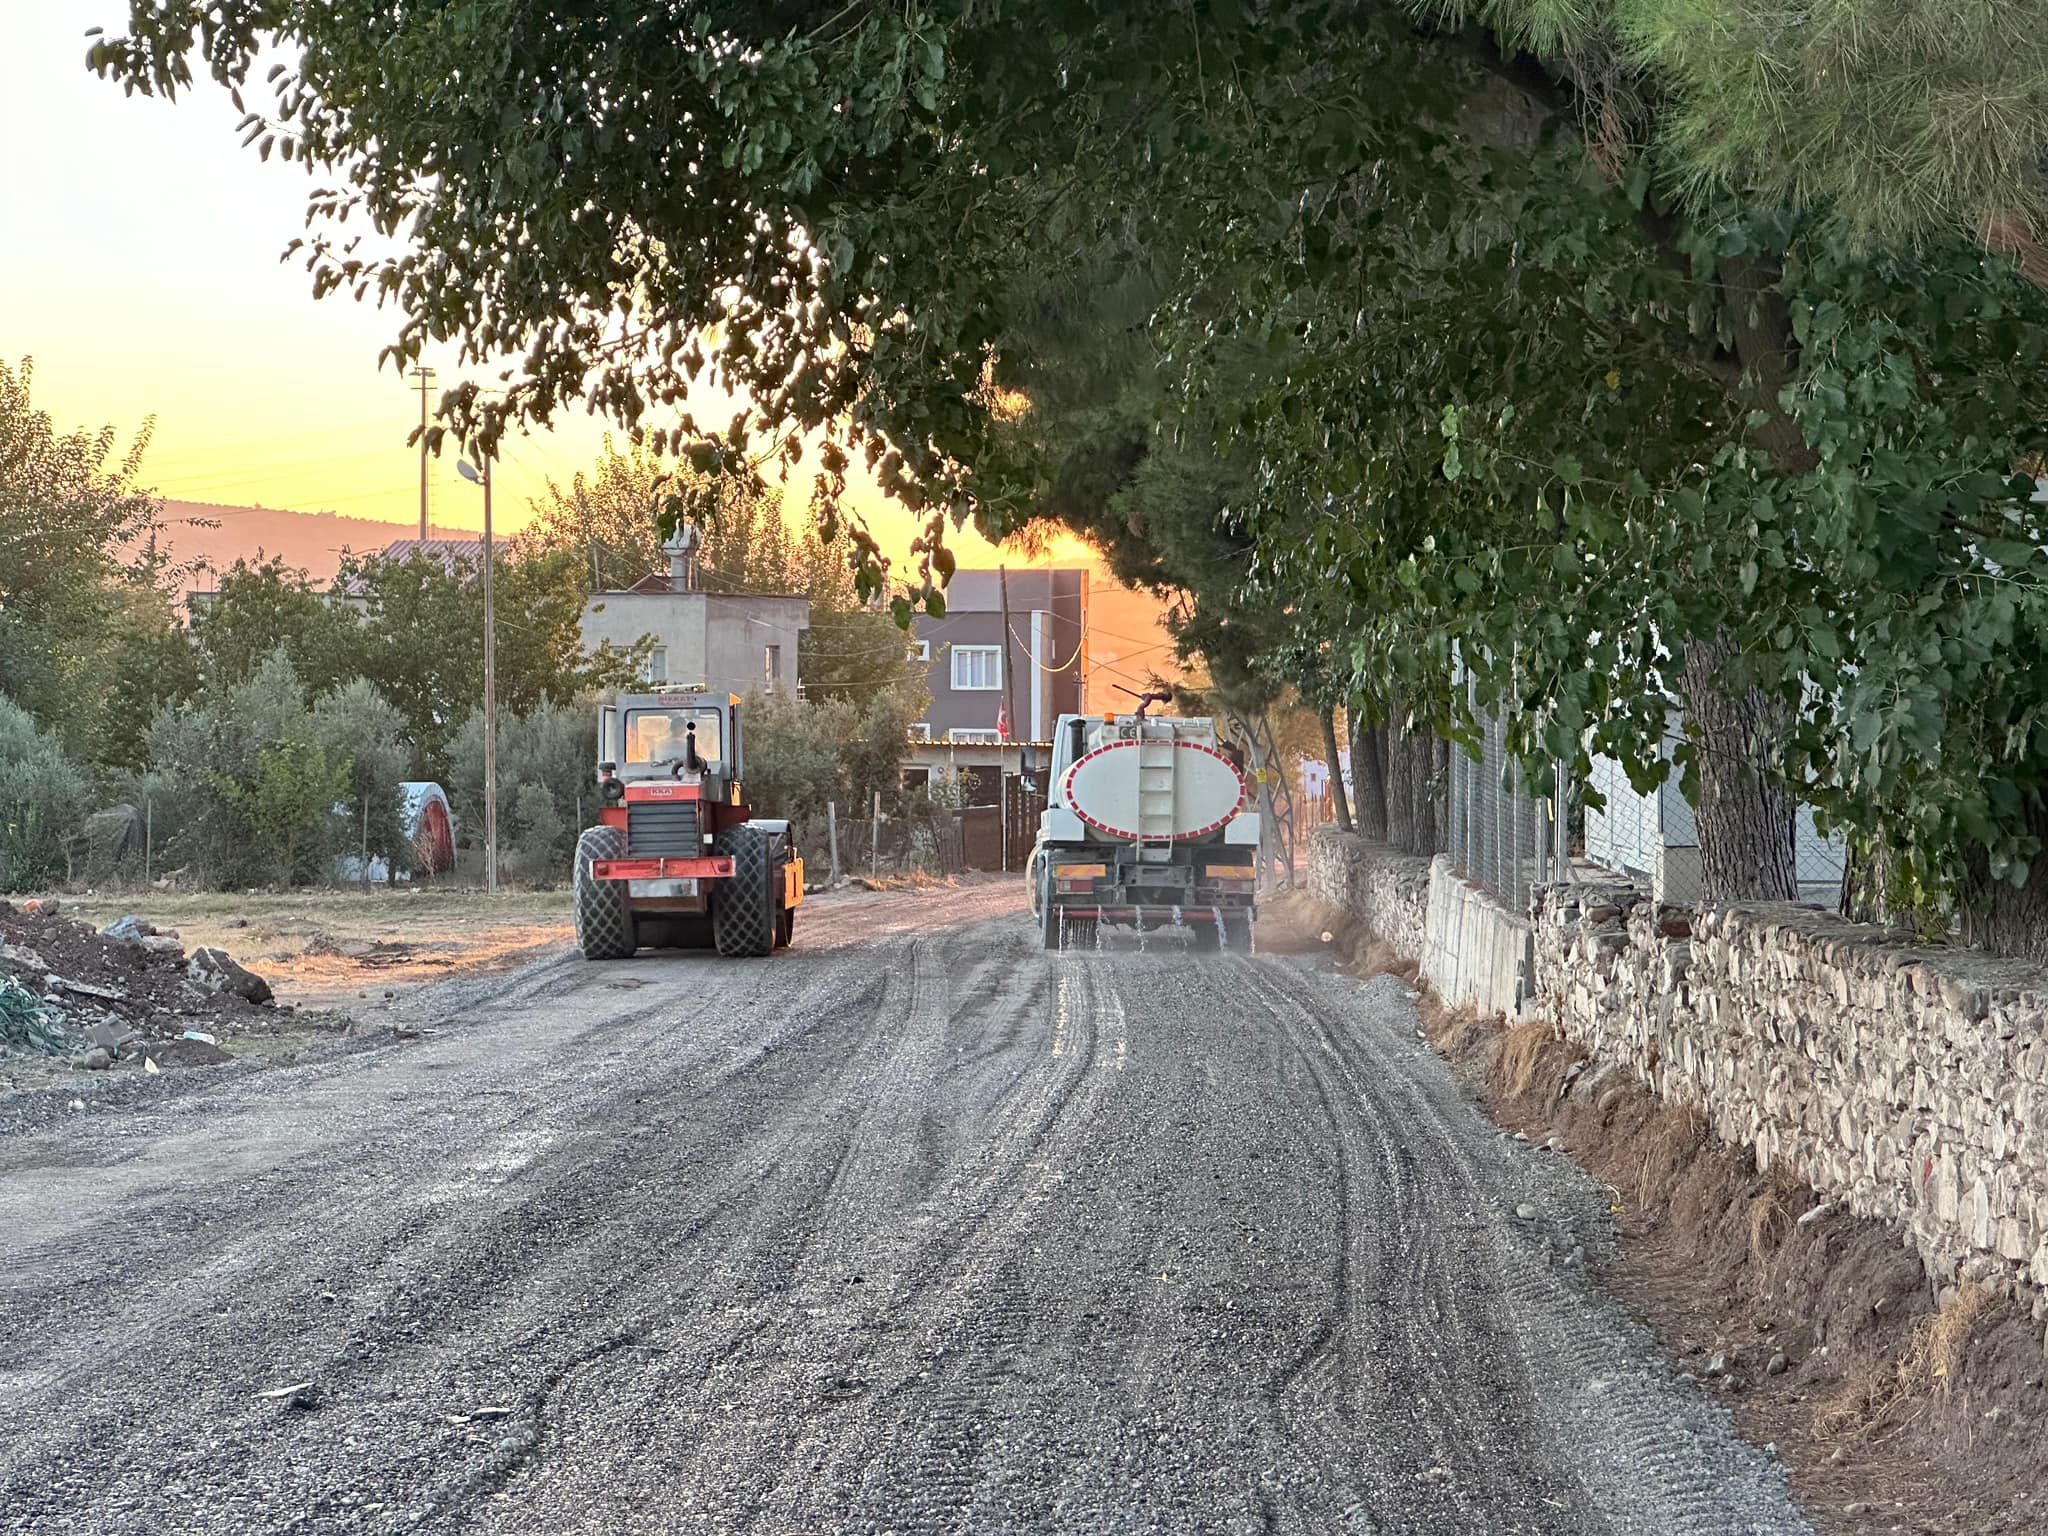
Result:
[[914, 1228]]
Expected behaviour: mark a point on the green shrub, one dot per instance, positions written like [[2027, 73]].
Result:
[[42, 801]]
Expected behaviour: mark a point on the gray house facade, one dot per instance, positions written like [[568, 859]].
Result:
[[968, 662]]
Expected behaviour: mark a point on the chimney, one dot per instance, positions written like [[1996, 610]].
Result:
[[681, 550]]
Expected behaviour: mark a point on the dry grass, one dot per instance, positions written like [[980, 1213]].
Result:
[[1935, 1357], [1931, 1364], [1770, 1220], [1519, 1055], [1859, 1402], [1668, 1147]]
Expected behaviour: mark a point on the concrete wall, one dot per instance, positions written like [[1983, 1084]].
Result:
[[1471, 950], [718, 639], [1909, 1084]]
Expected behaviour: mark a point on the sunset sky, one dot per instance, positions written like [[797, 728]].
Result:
[[139, 249]]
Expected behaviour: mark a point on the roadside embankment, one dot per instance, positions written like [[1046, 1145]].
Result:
[[1827, 1151]]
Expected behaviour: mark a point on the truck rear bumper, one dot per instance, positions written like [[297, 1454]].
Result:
[[709, 868], [1150, 916]]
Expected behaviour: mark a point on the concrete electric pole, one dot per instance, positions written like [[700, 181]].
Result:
[[426, 377], [483, 478]]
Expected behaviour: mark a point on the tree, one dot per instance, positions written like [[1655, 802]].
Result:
[[87, 639], [263, 607], [1554, 340], [353, 724], [421, 640], [550, 748], [249, 794], [42, 802]]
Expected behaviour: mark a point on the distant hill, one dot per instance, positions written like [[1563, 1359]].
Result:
[[311, 540], [1127, 647]]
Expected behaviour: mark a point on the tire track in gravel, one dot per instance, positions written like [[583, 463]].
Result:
[[1648, 1450], [915, 1229]]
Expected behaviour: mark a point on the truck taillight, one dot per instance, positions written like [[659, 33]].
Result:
[[1070, 878]]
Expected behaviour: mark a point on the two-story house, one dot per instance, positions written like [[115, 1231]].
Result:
[[969, 659], [729, 642]]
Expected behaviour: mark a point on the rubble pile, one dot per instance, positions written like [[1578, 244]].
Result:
[[125, 993]]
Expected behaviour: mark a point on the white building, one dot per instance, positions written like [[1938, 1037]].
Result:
[[728, 642]]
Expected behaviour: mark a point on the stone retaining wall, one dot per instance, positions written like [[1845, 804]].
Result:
[[1909, 1084]]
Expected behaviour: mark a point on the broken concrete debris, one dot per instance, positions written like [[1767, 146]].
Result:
[[93, 998], [217, 971]]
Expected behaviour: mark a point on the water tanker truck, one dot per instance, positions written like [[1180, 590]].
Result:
[[1148, 822]]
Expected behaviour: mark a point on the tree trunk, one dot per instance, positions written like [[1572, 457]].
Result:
[[1400, 793], [1746, 818], [1369, 774], [1328, 717]]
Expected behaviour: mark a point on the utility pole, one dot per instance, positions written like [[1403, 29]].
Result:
[[490, 703], [426, 377], [1009, 711], [483, 478]]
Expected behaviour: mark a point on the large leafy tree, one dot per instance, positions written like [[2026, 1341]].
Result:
[[1557, 338], [88, 641]]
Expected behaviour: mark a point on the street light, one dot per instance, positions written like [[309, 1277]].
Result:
[[469, 472]]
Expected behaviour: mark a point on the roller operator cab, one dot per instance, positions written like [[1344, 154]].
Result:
[[678, 860], [1150, 823]]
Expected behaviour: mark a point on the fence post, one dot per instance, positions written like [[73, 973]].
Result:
[[875, 838], [832, 835]]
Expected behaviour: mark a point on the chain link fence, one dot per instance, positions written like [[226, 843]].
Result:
[[1509, 840], [1497, 832]]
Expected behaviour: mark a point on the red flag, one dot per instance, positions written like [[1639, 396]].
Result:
[[1002, 722]]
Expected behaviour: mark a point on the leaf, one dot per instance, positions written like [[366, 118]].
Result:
[[1746, 574]]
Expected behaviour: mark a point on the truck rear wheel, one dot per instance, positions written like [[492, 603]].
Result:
[[604, 923], [746, 910]]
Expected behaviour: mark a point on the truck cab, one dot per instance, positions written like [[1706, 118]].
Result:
[[1150, 823]]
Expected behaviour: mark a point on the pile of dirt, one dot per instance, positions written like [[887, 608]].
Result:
[[1896, 1409], [127, 994]]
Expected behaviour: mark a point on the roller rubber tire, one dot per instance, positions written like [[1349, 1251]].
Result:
[[745, 910], [604, 923]]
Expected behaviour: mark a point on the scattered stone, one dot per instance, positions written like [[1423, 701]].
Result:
[[490, 1413], [1717, 1364], [128, 930], [279, 1394], [21, 958], [42, 906], [201, 1036], [110, 1035], [1859, 1507], [1779, 1364], [217, 971], [158, 1054], [843, 1388], [1525, 1212], [85, 989], [98, 1059], [1808, 1218], [163, 944]]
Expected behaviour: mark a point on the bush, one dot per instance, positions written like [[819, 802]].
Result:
[[42, 802], [551, 748], [248, 793], [354, 724]]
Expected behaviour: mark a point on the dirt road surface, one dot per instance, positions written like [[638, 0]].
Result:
[[915, 1228]]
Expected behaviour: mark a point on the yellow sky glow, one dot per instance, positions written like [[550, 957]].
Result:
[[139, 264]]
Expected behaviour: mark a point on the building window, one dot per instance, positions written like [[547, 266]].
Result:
[[921, 731], [920, 650], [771, 664], [977, 668], [657, 664], [973, 733]]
